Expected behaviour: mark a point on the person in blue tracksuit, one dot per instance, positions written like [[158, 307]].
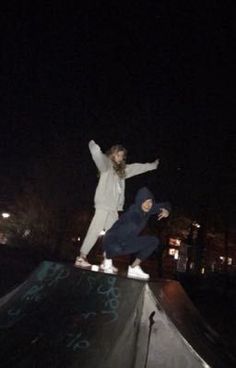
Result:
[[123, 237]]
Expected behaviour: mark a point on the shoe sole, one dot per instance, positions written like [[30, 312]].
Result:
[[80, 266], [113, 271], [138, 277], [106, 271]]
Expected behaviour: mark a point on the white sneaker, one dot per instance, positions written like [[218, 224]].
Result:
[[81, 262], [107, 266], [137, 273], [103, 267]]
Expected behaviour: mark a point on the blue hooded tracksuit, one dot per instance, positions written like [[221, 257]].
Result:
[[123, 237]]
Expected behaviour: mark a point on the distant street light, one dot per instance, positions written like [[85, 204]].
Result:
[[5, 214], [195, 224]]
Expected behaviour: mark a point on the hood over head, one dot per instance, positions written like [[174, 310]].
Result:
[[142, 195]]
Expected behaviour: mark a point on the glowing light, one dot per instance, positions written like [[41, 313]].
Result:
[[176, 255], [195, 224], [203, 270], [175, 242], [171, 251], [222, 259], [26, 233], [103, 232], [5, 214]]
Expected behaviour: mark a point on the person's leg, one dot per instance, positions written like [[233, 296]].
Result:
[[96, 226], [107, 264], [145, 246], [136, 262], [150, 244], [112, 248], [111, 219], [141, 246]]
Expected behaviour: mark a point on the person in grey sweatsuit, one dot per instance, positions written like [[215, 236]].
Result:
[[109, 196]]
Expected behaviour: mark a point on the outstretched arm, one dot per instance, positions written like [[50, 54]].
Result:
[[163, 213], [100, 159], [162, 209], [137, 169]]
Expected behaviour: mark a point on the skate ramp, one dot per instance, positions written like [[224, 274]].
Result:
[[67, 317], [175, 334]]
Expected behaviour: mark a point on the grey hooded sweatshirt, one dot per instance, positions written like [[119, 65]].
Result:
[[110, 191]]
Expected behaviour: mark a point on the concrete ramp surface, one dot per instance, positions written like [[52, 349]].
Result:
[[67, 317]]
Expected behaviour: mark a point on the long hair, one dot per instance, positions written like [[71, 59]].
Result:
[[119, 168]]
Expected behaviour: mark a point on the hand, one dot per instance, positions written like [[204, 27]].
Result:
[[163, 213], [92, 145]]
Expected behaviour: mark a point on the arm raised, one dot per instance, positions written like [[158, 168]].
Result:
[[137, 169], [100, 159]]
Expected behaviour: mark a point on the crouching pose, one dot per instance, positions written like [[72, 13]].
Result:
[[109, 196], [123, 237]]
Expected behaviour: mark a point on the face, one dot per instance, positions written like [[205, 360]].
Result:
[[147, 205], [118, 157]]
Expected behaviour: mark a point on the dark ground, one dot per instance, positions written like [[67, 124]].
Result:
[[214, 295]]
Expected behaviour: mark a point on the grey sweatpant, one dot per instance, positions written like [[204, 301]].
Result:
[[102, 220]]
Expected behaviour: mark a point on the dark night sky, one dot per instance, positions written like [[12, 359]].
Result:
[[156, 76]]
